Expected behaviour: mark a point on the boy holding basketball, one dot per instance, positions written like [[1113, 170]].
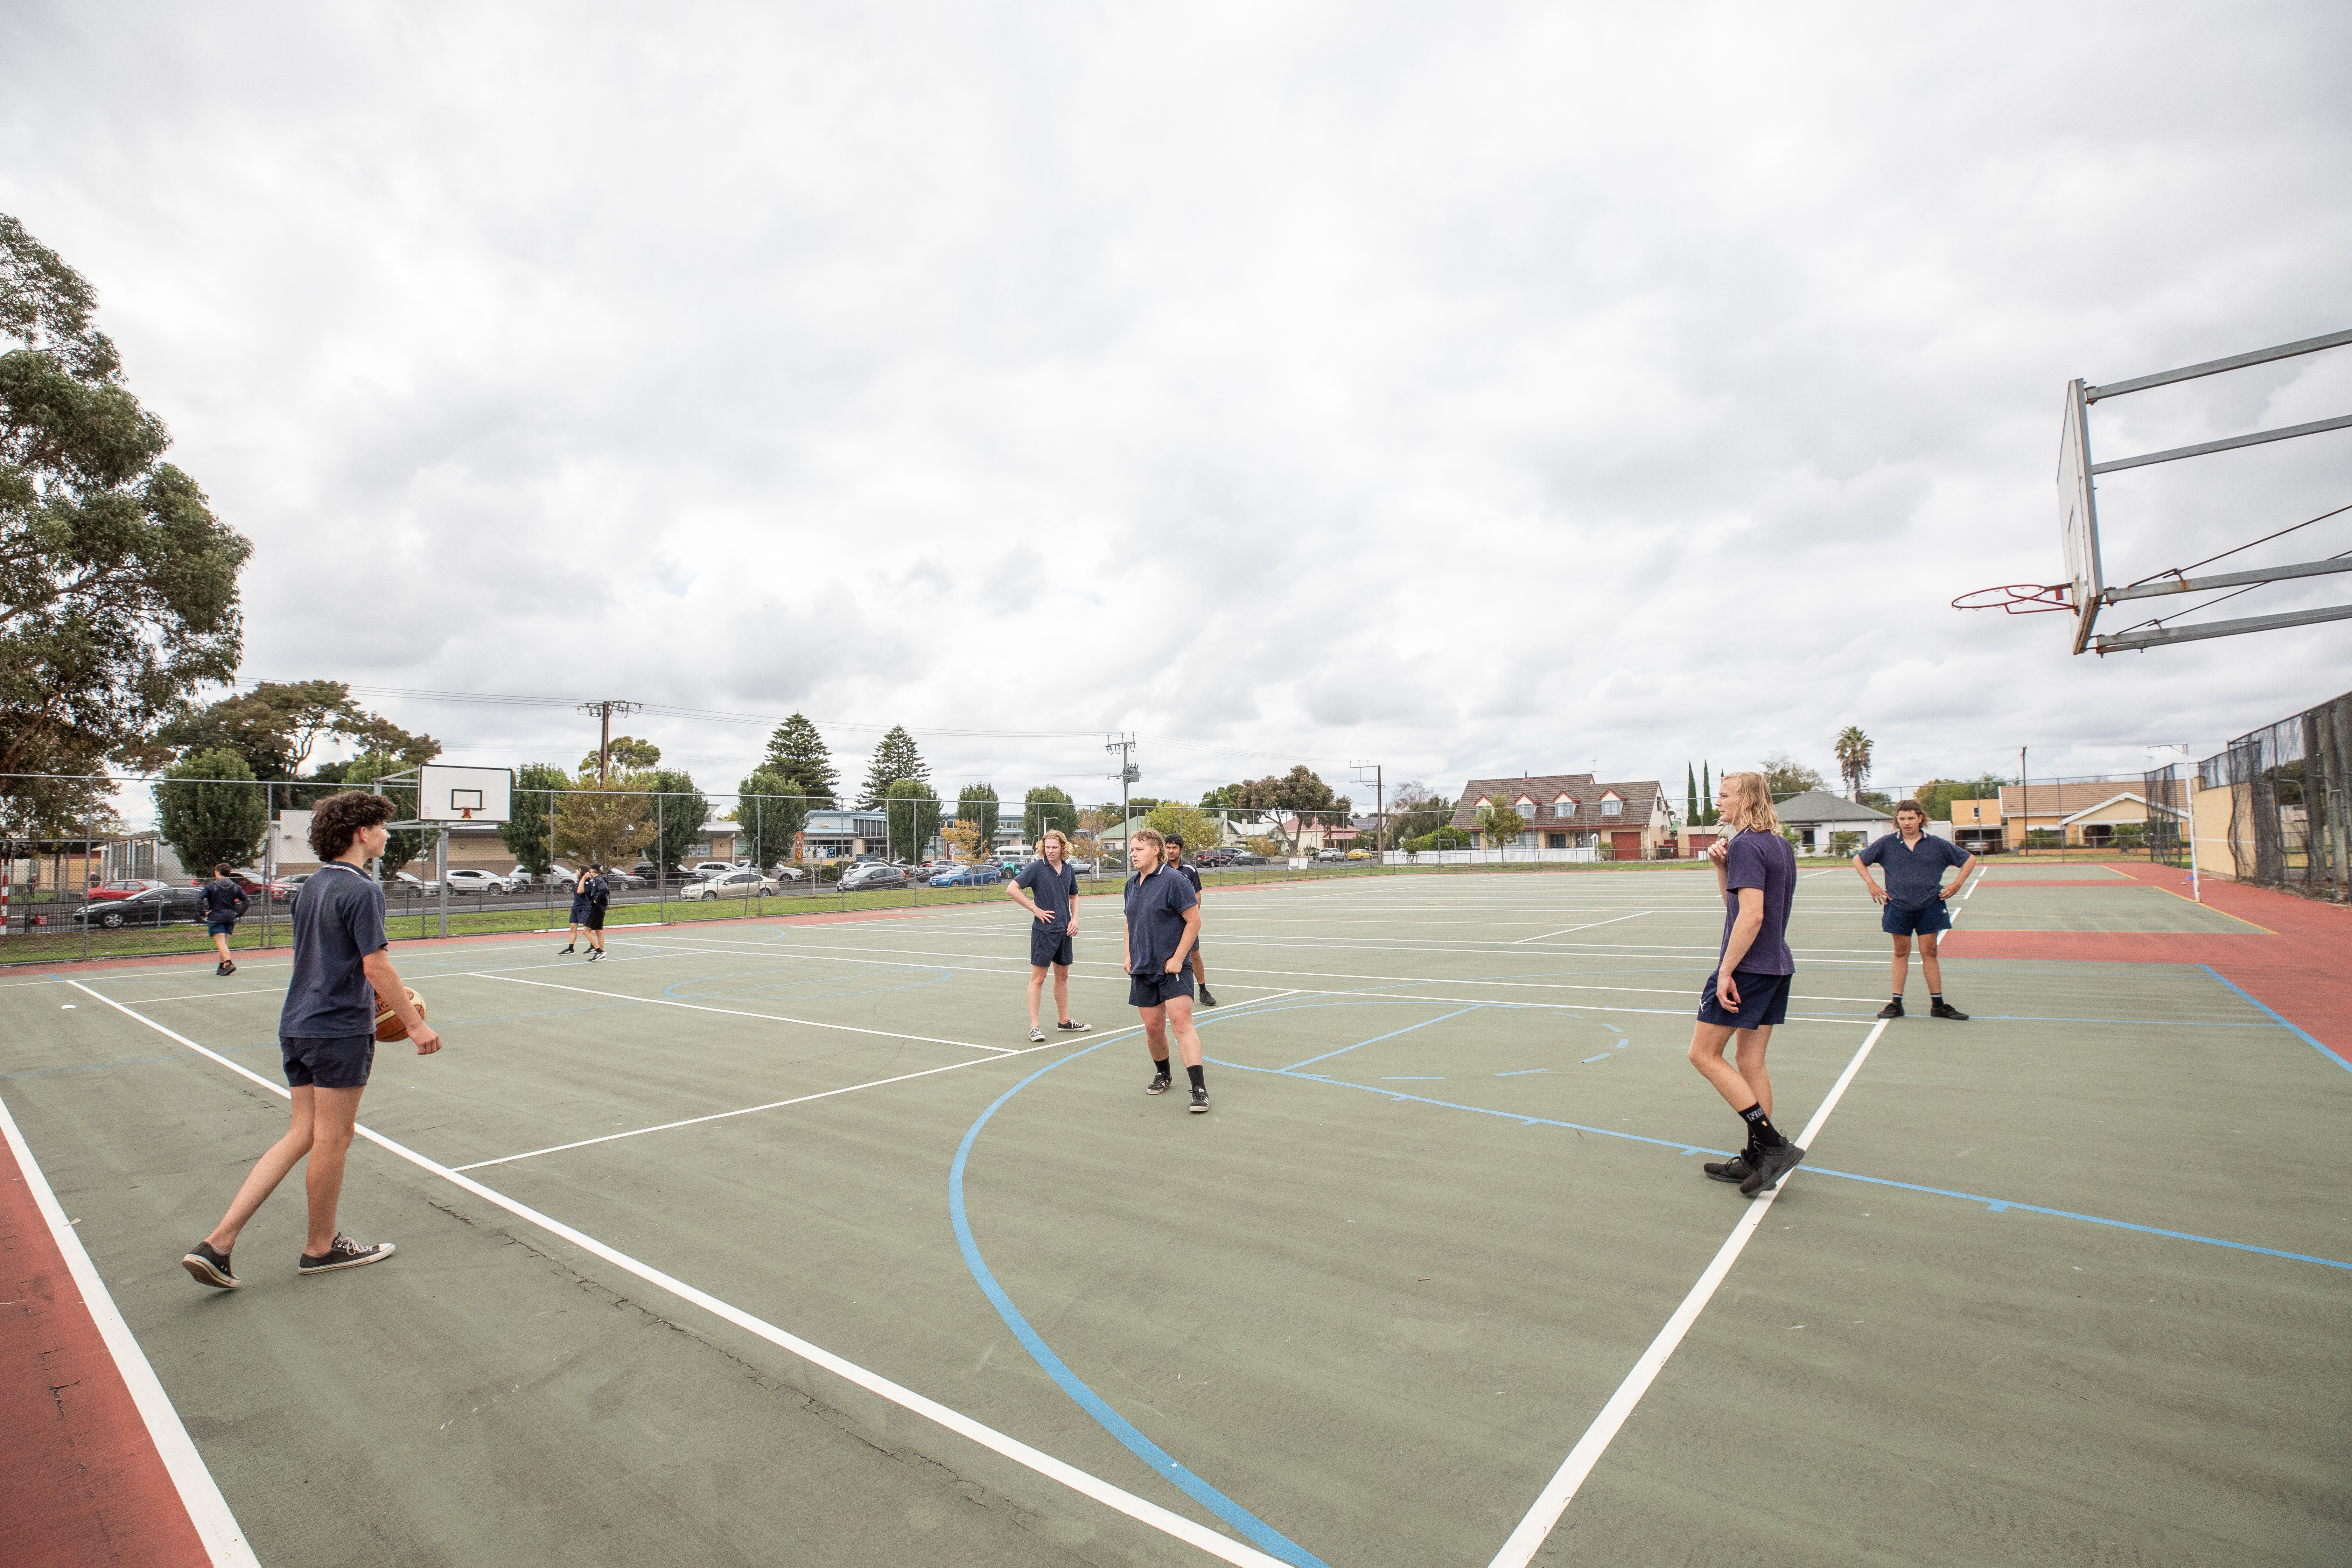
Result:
[[327, 1036]]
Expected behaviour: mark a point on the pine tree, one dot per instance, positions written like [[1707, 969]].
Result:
[[797, 759], [896, 758], [1690, 783], [1706, 794]]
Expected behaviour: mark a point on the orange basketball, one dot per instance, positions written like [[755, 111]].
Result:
[[388, 1025]]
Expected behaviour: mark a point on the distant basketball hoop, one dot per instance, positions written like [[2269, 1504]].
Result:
[[2019, 598]]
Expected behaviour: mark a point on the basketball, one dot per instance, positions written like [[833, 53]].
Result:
[[388, 1025]]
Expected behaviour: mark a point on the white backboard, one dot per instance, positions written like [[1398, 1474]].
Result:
[[2078, 513], [446, 793]]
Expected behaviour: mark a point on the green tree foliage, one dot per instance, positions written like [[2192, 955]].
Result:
[[275, 726], [1785, 776], [1046, 806], [797, 757], [611, 825], [679, 815], [1197, 828], [1298, 793], [1500, 824], [118, 586], [1937, 794], [207, 823], [529, 834], [627, 754], [1853, 748], [894, 759], [772, 809], [1690, 783], [1418, 813], [913, 807], [977, 804], [1713, 818]]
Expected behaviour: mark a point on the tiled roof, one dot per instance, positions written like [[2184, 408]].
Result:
[[2081, 795], [1639, 796], [1820, 806]]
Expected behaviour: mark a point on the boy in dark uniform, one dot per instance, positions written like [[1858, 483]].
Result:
[[578, 914], [600, 896], [1163, 922], [1048, 890], [1178, 864], [224, 901], [1913, 901]]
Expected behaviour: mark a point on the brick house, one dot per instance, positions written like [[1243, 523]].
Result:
[[1574, 811]]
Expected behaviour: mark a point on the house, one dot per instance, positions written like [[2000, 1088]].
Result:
[[1818, 817], [2089, 814], [1976, 825], [1573, 811]]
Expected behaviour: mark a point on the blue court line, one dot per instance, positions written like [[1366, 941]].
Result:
[[2300, 1034], [1590, 1060], [1996, 1205], [1260, 1533], [1522, 1072], [1376, 1039], [1412, 1078]]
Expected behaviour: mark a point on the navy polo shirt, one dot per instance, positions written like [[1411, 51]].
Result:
[[1766, 862], [1155, 918], [336, 921], [1915, 872], [1051, 889]]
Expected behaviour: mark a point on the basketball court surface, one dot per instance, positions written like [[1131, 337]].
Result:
[[777, 1242]]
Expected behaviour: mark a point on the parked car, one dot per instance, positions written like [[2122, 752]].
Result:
[[980, 875], [623, 881], [410, 887], [562, 878], [1243, 857], [1082, 866], [787, 873], [464, 880], [713, 868], [1330, 854], [870, 875], [123, 888], [160, 905], [1209, 860], [294, 883], [727, 885], [1359, 854]]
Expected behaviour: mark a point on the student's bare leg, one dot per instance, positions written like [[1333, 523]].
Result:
[[335, 1116], [1707, 1041], [1748, 1057], [220, 945], [1903, 963], [267, 1171], [1179, 1020], [1927, 965], [1036, 990], [1155, 1035], [1061, 995], [1200, 971]]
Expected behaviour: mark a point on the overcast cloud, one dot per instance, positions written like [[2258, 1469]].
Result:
[[1466, 388]]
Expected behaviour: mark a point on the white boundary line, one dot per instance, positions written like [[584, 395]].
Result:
[[1570, 931], [1137, 1508], [736, 1012], [1553, 1500], [199, 1494]]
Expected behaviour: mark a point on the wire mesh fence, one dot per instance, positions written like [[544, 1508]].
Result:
[[2273, 807]]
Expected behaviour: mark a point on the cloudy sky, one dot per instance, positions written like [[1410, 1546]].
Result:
[[1480, 389]]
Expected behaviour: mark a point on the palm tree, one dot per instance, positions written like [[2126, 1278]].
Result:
[[1854, 759]]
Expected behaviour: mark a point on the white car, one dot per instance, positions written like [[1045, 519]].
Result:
[[467, 880], [728, 885], [715, 868], [401, 882], [787, 873]]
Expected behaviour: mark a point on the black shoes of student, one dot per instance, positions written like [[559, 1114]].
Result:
[[1207, 1000], [207, 1265], [1200, 1101], [1734, 1170], [594, 955], [1893, 1009], [1074, 1026], [345, 1252], [1943, 1009], [1771, 1164], [223, 967], [568, 947], [1159, 1084]]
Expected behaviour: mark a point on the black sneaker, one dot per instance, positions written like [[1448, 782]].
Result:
[[595, 954], [1074, 1026], [1893, 1009], [208, 1265], [1200, 1101], [344, 1254], [1036, 1036], [1771, 1164], [228, 967], [1945, 1010], [1732, 1170], [1158, 1084], [568, 947], [1207, 1000]]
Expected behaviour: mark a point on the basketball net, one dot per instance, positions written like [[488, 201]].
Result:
[[2019, 598]]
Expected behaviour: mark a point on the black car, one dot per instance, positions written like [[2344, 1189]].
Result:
[[156, 906], [871, 876], [1214, 857], [1243, 857]]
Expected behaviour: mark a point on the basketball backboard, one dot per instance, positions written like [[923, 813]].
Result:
[[448, 794], [2078, 513]]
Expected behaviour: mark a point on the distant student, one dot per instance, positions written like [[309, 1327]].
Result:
[[1183, 868], [578, 914], [600, 897], [1048, 890], [1748, 995], [1163, 922], [1913, 901], [224, 901], [326, 1038]]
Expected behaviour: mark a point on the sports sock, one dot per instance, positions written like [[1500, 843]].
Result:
[[1159, 1066], [1200, 1080], [1761, 1131], [1898, 995], [1934, 996]]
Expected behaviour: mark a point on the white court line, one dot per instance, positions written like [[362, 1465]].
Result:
[[736, 1013], [1013, 1448], [1570, 930], [208, 995], [1553, 1500], [216, 1527]]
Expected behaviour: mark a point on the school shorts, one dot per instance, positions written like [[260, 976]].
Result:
[[1049, 945], [593, 919], [1154, 990], [1763, 999], [1896, 920], [341, 1063], [220, 928]]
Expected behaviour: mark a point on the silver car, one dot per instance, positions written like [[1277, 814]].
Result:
[[730, 885]]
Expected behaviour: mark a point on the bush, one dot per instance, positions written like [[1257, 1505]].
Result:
[[1846, 844]]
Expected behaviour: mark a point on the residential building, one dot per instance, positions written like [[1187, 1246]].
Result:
[[1818, 817], [2090, 814], [1573, 811]]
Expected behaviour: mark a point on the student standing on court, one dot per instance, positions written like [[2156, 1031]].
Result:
[[326, 1037], [1178, 864], [578, 914], [224, 901], [1163, 922], [1048, 890], [1914, 861], [600, 896], [1748, 993]]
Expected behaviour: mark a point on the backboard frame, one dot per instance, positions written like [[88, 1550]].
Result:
[[448, 793], [2078, 513]]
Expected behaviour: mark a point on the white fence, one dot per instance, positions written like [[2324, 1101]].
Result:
[[1512, 857]]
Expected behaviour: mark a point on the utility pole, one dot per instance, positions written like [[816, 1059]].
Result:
[[1123, 743], [2025, 804], [1380, 807], [605, 711]]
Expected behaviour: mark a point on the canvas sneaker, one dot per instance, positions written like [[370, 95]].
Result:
[[1159, 1084], [207, 1265], [344, 1254], [1074, 1026], [1200, 1101], [1036, 1034]]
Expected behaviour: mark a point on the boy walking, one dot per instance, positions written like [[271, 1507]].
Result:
[[223, 902], [1913, 901], [600, 897], [1748, 995], [578, 914], [1048, 890], [1182, 868], [326, 1038], [1163, 922]]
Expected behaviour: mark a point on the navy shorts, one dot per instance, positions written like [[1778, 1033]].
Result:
[[579, 914], [1896, 920], [593, 919], [331, 1064], [220, 928], [1049, 945], [1154, 990], [1763, 999]]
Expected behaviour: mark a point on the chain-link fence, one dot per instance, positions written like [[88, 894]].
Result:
[[2271, 806]]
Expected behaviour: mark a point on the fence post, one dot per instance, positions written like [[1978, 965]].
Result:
[[661, 858]]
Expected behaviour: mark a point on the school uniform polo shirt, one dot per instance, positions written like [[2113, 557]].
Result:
[[1915, 872]]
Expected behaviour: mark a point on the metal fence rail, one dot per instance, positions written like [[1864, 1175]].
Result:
[[2289, 822]]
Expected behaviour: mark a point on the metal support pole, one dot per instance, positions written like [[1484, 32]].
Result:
[[269, 854], [441, 875]]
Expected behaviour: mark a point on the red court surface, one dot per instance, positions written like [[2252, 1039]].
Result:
[[86, 1485]]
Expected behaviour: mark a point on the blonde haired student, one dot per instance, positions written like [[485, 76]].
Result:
[[1748, 995]]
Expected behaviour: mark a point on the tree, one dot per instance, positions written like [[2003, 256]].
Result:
[[1419, 812], [1690, 783], [1785, 776], [976, 803], [771, 810], [118, 585], [1045, 807], [1707, 796], [679, 816], [797, 758], [1937, 796], [1501, 824], [913, 809], [894, 759], [628, 754], [1293, 793], [208, 823], [1173, 819], [275, 726], [1853, 749], [604, 825], [529, 833]]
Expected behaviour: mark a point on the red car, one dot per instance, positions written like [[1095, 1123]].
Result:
[[123, 888], [278, 891]]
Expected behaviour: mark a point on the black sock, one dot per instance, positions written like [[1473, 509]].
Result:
[[1159, 1066], [1761, 1131], [1898, 995], [1934, 996], [1199, 1080]]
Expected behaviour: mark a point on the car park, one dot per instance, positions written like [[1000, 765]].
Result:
[[982, 874], [409, 887], [1209, 860], [155, 905], [1330, 854], [1243, 857], [870, 875], [713, 868], [727, 885], [464, 880], [623, 881], [787, 873], [123, 888]]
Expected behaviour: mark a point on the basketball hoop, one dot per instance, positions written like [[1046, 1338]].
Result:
[[2019, 598]]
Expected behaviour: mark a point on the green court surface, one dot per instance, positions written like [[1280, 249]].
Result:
[[779, 1243]]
